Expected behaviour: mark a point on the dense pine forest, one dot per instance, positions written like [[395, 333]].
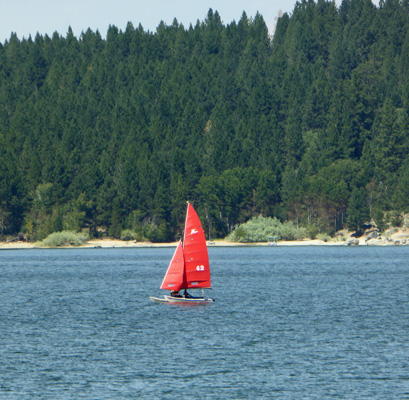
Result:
[[308, 125]]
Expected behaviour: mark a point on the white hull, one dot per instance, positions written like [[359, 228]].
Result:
[[170, 299], [158, 300]]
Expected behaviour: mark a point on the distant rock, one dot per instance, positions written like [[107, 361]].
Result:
[[372, 242], [372, 235]]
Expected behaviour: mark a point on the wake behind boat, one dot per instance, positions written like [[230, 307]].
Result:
[[189, 267]]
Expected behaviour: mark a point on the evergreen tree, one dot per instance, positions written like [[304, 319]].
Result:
[[358, 209]]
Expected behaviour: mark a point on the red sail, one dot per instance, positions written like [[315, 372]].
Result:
[[175, 275], [195, 252]]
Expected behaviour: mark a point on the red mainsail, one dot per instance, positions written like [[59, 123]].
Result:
[[195, 252], [175, 275]]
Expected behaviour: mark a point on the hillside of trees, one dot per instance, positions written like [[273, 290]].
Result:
[[309, 125]]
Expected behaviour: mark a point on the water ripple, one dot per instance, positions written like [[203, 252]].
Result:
[[289, 323]]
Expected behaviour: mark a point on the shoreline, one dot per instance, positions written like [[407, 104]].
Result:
[[113, 243]]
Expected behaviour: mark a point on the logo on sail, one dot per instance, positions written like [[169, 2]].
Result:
[[194, 231]]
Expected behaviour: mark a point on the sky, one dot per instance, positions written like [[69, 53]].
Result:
[[27, 17]]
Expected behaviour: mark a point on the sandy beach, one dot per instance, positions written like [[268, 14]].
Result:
[[111, 243], [392, 237]]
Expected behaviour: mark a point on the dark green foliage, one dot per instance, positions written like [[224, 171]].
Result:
[[116, 134], [358, 209]]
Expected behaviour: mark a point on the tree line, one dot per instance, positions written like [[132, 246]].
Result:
[[309, 125]]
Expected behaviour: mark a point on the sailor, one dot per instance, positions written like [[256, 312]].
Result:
[[175, 293], [186, 295]]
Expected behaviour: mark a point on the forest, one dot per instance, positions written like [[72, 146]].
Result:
[[308, 124]]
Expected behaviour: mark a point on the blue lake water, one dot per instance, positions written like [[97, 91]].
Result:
[[288, 323]]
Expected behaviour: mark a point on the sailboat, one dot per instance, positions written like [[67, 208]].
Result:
[[189, 266]]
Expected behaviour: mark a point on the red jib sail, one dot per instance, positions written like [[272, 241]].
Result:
[[197, 271], [175, 275]]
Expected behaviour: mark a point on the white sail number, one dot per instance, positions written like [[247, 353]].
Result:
[[200, 268]]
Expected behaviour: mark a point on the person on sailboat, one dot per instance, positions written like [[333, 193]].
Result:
[[186, 295], [175, 293]]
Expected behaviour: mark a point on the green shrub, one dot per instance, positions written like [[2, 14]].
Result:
[[324, 237], [300, 233], [396, 219], [288, 231], [312, 231], [259, 229], [128, 234], [240, 234], [64, 238]]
